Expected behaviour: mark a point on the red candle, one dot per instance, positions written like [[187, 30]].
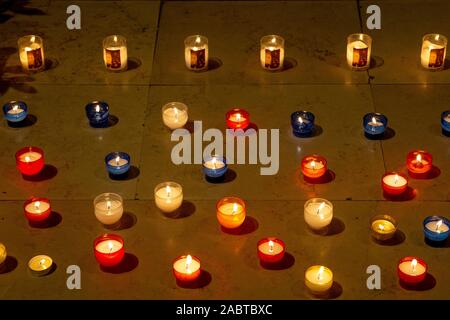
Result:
[[30, 160], [109, 250], [419, 161], [271, 250], [186, 268], [412, 270], [37, 209], [237, 119], [394, 183], [314, 166]]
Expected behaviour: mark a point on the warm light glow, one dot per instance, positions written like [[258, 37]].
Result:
[[214, 162], [300, 119], [271, 246], [238, 117], [374, 120], [37, 205], [108, 205], [413, 265], [33, 39], [198, 41], [320, 273], [274, 40], [117, 160], [188, 263], [41, 262], [321, 206], [313, 164], [437, 37], [235, 207], [168, 190], [381, 227], [16, 107], [438, 225], [110, 246], [97, 108], [396, 179], [115, 38], [27, 159], [419, 158]]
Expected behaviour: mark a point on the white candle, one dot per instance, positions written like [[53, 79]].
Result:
[[108, 208], [412, 268], [314, 165], [318, 279], [168, 197], [270, 248], [115, 53], [272, 52], [15, 110], [231, 209], [40, 265], [3, 253], [37, 207], [186, 265], [108, 246], [318, 213], [394, 180], [175, 115], [214, 163], [31, 53], [375, 123], [196, 52], [30, 156], [433, 52], [447, 118], [437, 226], [117, 162]]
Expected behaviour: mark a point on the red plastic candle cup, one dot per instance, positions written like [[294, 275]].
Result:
[[314, 166], [186, 268], [412, 270], [37, 209], [30, 160], [109, 250], [237, 119], [419, 161], [394, 183], [271, 250]]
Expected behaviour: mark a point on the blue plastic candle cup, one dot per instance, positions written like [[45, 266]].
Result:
[[215, 167], [98, 114], [436, 228], [374, 124], [15, 111], [118, 163], [302, 123], [445, 122]]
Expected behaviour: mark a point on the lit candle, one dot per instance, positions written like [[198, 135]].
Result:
[[271, 250], [37, 209], [237, 119], [40, 265], [109, 250], [168, 196], [419, 161], [434, 47], [318, 279], [314, 166], [115, 53], [318, 213], [358, 51], [31, 53], [394, 183], [97, 113], [186, 268], [302, 123], [215, 166], [118, 163], [175, 115], [3, 253], [15, 111], [374, 123], [231, 212], [383, 227], [108, 208], [445, 122], [196, 52], [436, 228], [30, 160], [412, 270], [272, 52]]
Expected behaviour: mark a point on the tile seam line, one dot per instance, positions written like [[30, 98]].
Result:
[[252, 200]]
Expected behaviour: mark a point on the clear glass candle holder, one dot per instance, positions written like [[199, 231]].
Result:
[[31, 53], [175, 115], [108, 208], [359, 47], [115, 53], [272, 52], [196, 52], [434, 48]]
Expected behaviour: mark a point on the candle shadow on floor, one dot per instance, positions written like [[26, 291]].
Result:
[[128, 263], [376, 62], [336, 226], [112, 121], [127, 221], [47, 173], [389, 133], [289, 63], [229, 176], [433, 173], [131, 174], [316, 131], [9, 265], [398, 238], [51, 63], [438, 244], [53, 220], [408, 195], [250, 225], [328, 177], [427, 284], [214, 63], [133, 63], [446, 64], [334, 292], [202, 281], [186, 209], [285, 263], [27, 122], [189, 126]]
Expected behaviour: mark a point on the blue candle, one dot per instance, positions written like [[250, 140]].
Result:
[[215, 166], [445, 121], [436, 228], [302, 123], [98, 114], [374, 124], [117, 163], [15, 111]]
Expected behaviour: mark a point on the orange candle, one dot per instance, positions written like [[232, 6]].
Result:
[[314, 166], [186, 268], [231, 212], [419, 161]]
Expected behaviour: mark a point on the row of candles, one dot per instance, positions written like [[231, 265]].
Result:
[[272, 52]]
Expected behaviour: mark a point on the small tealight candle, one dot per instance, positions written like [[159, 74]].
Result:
[[108, 208], [436, 228], [434, 47], [40, 265], [272, 52], [15, 111], [118, 163], [37, 209], [215, 166], [318, 213], [31, 53], [383, 227], [97, 113], [109, 250], [115, 53], [375, 124], [412, 270], [359, 47], [168, 196], [419, 161], [175, 115], [394, 183], [318, 279], [30, 160], [271, 250], [196, 52], [314, 166], [237, 119], [445, 122], [186, 268], [3, 253], [302, 123], [231, 212]]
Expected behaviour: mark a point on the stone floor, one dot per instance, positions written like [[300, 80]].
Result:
[[317, 79]]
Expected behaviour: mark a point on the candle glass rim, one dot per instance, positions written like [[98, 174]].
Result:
[[115, 154], [357, 36], [27, 38], [171, 184], [244, 112], [179, 105], [40, 256], [36, 199], [384, 217], [317, 158], [436, 218], [310, 116], [218, 157], [106, 237], [104, 105], [23, 150], [195, 258], [315, 266], [111, 195], [273, 239], [9, 106], [445, 113], [191, 40], [228, 199], [411, 258], [393, 173], [425, 155], [265, 40], [432, 36], [317, 200], [381, 117], [121, 40]]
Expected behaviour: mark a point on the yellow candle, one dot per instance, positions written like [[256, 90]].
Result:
[[40, 265], [3, 253], [383, 227], [318, 279]]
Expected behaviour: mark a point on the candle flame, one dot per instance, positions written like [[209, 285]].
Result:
[[313, 164], [238, 117], [235, 207], [274, 40], [115, 38], [374, 120], [321, 206], [320, 273], [197, 39], [188, 263], [419, 158], [41, 262], [97, 108], [175, 111], [396, 178], [300, 119], [437, 37], [413, 265], [381, 227], [27, 159], [438, 225], [214, 160], [37, 205], [271, 246], [110, 246], [16, 107], [117, 160], [168, 190], [33, 38], [108, 205]]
